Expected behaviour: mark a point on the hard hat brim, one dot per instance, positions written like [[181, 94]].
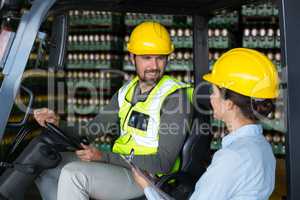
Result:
[[150, 51], [209, 78]]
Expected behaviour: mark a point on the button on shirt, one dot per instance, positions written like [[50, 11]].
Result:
[[243, 169]]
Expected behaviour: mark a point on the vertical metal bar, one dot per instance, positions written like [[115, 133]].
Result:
[[59, 36], [201, 119], [201, 92], [18, 56], [200, 55], [200, 47], [290, 40]]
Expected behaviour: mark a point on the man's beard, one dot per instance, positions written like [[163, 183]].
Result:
[[151, 76]]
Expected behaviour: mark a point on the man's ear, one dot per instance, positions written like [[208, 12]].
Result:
[[132, 58]]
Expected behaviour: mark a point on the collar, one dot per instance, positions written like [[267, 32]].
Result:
[[133, 89], [249, 130]]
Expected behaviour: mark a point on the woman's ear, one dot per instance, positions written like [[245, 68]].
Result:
[[229, 105]]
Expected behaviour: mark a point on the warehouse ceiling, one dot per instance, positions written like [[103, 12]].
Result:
[[202, 7]]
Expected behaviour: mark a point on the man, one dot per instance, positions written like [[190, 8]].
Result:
[[151, 112]]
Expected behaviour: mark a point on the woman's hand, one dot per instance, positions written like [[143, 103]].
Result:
[[139, 178], [89, 153]]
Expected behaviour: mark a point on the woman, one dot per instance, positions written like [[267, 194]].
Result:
[[244, 83]]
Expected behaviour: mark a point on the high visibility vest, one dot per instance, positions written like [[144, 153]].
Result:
[[139, 123]]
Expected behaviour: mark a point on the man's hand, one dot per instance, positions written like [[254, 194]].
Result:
[[44, 115], [89, 153]]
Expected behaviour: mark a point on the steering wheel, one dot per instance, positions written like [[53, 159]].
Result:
[[72, 141]]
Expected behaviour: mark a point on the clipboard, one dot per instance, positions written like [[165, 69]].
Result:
[[128, 159]]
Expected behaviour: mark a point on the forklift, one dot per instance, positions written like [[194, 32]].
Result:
[[43, 153]]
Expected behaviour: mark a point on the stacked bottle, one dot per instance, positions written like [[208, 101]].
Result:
[[262, 10], [219, 38], [94, 42], [92, 60], [276, 139], [91, 17], [276, 59], [182, 38], [133, 19], [91, 81], [261, 38], [86, 106], [180, 61]]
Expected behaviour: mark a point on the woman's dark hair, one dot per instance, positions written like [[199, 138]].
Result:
[[250, 107]]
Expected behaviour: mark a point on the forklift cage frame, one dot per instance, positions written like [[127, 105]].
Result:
[[289, 16]]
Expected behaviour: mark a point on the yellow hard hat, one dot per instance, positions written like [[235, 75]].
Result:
[[150, 38], [247, 72]]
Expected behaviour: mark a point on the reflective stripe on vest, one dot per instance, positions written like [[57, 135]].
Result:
[[140, 122]]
